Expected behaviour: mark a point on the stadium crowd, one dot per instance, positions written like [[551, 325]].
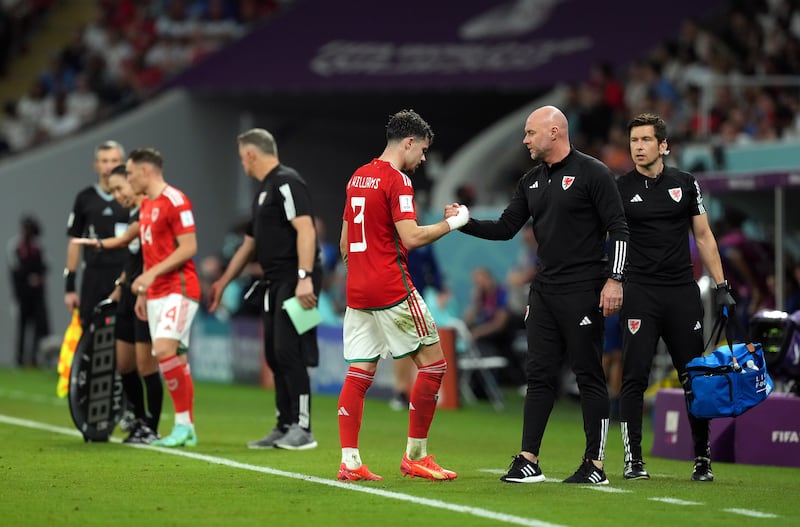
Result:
[[114, 62], [758, 38]]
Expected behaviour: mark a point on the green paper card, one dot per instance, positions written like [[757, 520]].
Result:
[[303, 319]]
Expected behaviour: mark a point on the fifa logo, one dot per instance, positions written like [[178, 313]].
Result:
[[785, 436]]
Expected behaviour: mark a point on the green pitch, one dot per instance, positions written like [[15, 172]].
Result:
[[49, 476]]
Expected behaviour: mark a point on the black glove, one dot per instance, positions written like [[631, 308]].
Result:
[[726, 305]]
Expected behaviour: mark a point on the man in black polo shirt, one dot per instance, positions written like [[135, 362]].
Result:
[[662, 299], [95, 214], [574, 204], [283, 240]]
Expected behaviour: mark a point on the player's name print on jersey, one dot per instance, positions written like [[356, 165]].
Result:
[[365, 182]]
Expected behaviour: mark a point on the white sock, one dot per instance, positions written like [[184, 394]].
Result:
[[351, 458], [416, 448], [183, 418]]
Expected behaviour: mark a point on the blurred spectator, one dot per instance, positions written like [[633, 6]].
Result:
[[209, 271], [59, 121], [616, 152], [488, 320], [73, 55], [58, 77], [82, 101], [28, 271], [15, 133], [329, 252], [520, 276], [116, 53], [746, 264], [175, 21], [32, 106]]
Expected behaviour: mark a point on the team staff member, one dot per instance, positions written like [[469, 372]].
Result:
[[574, 204], [95, 214], [386, 315], [283, 239], [662, 205], [168, 289], [133, 344]]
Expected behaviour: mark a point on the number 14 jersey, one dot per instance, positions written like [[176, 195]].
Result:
[[161, 221]]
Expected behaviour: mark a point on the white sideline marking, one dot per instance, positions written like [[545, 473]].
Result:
[[606, 488], [752, 514], [437, 504], [675, 501]]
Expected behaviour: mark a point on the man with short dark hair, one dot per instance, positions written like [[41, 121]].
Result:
[[386, 315], [662, 300]]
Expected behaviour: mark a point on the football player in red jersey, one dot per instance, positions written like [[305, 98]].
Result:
[[386, 315], [168, 290]]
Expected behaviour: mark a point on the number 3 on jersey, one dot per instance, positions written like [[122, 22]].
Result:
[[146, 234], [358, 203]]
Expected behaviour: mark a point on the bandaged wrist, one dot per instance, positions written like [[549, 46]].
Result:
[[459, 220]]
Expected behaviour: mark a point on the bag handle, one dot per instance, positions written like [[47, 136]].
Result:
[[728, 322]]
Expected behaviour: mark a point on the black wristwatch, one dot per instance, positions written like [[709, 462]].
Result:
[[302, 274], [616, 276]]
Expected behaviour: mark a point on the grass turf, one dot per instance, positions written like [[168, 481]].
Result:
[[49, 478]]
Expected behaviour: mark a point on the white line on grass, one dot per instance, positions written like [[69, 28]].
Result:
[[752, 514], [437, 504], [605, 488], [675, 501]]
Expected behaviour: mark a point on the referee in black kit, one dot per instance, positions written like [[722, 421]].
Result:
[[574, 203], [95, 214], [283, 240], [662, 299]]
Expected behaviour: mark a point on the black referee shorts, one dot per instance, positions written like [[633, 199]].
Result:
[[128, 327]]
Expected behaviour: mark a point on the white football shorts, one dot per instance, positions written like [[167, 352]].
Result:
[[170, 317], [396, 331]]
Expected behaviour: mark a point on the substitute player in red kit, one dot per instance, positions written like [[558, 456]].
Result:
[[168, 290], [385, 314]]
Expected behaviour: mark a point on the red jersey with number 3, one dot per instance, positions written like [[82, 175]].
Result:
[[378, 195], [161, 221]]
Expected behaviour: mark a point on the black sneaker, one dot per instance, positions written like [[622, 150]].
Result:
[[523, 471], [588, 474], [702, 470], [141, 434], [634, 469], [128, 421]]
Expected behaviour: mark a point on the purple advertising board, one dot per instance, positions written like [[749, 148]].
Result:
[[318, 45]]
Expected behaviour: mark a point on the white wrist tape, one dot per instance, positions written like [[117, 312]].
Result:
[[460, 219]]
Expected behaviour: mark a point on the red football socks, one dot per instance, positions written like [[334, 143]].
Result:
[[351, 405], [179, 383], [423, 398]]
